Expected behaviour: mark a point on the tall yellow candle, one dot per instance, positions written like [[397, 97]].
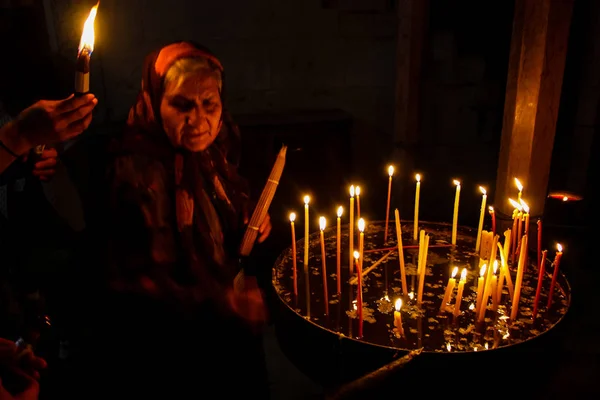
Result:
[[519, 281], [400, 253], [481, 216], [520, 188], [505, 273], [322, 223], [357, 201], [387, 210], [351, 230], [421, 247], [455, 216], [493, 287], [480, 288], [423, 270], [517, 226], [398, 317], [306, 274], [461, 287], [449, 289], [416, 217], [340, 211], [361, 241], [292, 219]]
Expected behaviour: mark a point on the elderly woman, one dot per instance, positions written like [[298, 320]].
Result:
[[174, 321]]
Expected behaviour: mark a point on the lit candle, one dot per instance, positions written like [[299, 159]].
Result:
[[361, 241], [555, 265], [455, 217], [541, 271], [493, 215], [519, 281], [416, 217], [481, 215], [423, 270], [292, 219], [306, 274], [494, 287], [488, 283], [398, 317], [387, 210], [351, 228], [359, 299], [340, 210], [84, 53], [401, 253], [515, 228], [322, 223], [520, 188], [449, 289], [526, 229], [461, 287], [480, 287]]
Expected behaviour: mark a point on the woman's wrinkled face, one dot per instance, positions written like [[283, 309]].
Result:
[[191, 111]]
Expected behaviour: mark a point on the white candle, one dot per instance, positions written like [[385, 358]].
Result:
[[416, 217], [306, 274], [351, 230], [481, 216], [322, 223], [340, 210], [455, 217], [292, 219], [387, 210]]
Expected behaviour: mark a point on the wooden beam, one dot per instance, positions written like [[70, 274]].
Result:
[[535, 74]]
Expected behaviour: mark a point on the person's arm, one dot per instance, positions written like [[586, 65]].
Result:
[[13, 145]]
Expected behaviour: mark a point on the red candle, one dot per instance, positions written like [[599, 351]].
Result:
[[359, 303], [493, 214], [541, 268], [539, 243], [556, 263]]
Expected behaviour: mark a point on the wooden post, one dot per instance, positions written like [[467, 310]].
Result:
[[535, 74]]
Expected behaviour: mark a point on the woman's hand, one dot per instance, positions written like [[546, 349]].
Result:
[[20, 372], [249, 303]]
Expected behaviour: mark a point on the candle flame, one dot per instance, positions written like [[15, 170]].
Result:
[[519, 186], [386, 298], [356, 255], [454, 271], [482, 270], [391, 170], [565, 198], [306, 200], [491, 209], [357, 190], [418, 177], [506, 335], [482, 190], [88, 37], [411, 295], [361, 225], [472, 306], [486, 346], [354, 304], [340, 211], [456, 182], [495, 266], [398, 304], [322, 223], [352, 191], [463, 274], [448, 347], [292, 217], [559, 247], [515, 204], [525, 206]]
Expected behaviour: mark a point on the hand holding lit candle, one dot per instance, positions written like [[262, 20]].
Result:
[[555, 265], [455, 216], [416, 216], [398, 317], [84, 53], [387, 210], [292, 219], [481, 216], [322, 223], [459, 294], [340, 211]]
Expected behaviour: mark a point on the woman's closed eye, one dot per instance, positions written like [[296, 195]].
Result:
[[182, 104]]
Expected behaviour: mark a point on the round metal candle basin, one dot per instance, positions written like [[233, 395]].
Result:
[[328, 347]]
